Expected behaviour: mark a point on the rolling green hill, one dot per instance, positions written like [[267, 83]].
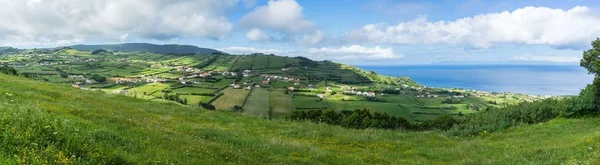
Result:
[[47, 123], [145, 47], [287, 84]]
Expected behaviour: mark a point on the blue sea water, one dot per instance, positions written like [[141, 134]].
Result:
[[534, 79]]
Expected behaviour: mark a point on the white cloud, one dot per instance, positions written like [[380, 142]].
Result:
[[256, 34], [573, 28], [124, 37], [355, 52], [349, 53], [282, 18], [51, 22], [250, 50], [555, 59], [279, 15], [312, 39]]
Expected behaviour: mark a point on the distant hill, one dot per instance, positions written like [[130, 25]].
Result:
[[151, 48], [6, 50]]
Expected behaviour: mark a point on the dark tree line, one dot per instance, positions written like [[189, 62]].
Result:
[[207, 106], [175, 98], [363, 119], [8, 70]]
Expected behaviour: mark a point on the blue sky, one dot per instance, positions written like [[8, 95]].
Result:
[[360, 32]]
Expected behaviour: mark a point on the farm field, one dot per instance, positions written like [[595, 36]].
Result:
[[281, 103], [306, 103], [260, 62], [146, 132], [257, 103], [148, 88], [230, 98], [194, 100], [193, 90], [137, 67]]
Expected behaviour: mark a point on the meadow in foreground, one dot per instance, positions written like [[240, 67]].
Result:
[[46, 123]]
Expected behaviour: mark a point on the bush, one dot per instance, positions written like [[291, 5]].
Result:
[[207, 106], [443, 122], [98, 78], [8, 70], [358, 119], [495, 119], [236, 108]]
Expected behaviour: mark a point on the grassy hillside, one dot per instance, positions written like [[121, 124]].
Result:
[[151, 48], [47, 123]]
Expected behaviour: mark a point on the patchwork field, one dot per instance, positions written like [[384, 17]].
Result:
[[195, 100], [281, 103], [193, 90], [149, 88], [52, 65], [306, 103], [257, 103], [230, 98]]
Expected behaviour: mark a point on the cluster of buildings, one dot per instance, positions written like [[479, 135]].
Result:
[[359, 93]]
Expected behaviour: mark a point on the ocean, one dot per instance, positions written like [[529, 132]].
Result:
[[534, 79]]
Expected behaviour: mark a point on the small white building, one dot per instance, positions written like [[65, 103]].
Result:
[[321, 95]]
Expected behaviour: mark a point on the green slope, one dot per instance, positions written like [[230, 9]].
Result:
[[45, 123], [145, 47]]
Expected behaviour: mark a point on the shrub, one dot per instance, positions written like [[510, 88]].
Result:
[[443, 122], [207, 106]]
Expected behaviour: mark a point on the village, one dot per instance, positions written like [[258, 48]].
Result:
[[261, 85]]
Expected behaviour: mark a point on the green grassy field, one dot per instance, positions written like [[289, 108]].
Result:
[[260, 62], [304, 102], [148, 88], [281, 103], [195, 100], [230, 98], [44, 123], [48, 65], [193, 90], [257, 103]]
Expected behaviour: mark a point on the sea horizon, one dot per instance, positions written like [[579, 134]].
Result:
[[532, 79]]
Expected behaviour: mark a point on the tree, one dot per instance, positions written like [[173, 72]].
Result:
[[98, 51], [8, 70], [443, 122], [98, 78], [236, 108], [591, 61], [591, 58], [64, 75], [207, 106]]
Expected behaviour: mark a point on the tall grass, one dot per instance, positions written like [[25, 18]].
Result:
[[41, 123]]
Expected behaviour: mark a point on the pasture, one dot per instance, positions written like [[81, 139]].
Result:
[[257, 103], [148, 88], [305, 103], [230, 98], [281, 103], [193, 90], [194, 100]]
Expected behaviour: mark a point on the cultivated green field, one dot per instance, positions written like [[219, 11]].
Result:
[[257, 103], [230, 98], [401, 96], [195, 100], [281, 103]]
